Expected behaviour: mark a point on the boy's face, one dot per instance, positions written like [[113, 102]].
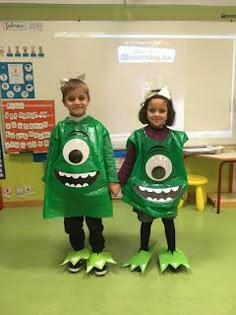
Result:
[[77, 101]]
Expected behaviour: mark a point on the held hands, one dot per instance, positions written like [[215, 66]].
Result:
[[114, 188]]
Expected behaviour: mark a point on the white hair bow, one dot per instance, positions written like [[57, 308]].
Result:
[[163, 92], [80, 77]]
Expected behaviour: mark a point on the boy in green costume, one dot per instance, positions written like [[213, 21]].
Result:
[[153, 178], [80, 177]]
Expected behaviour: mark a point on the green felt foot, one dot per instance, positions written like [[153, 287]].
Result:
[[141, 260], [175, 260], [75, 256], [99, 260]]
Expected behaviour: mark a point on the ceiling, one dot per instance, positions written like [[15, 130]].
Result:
[[134, 2]]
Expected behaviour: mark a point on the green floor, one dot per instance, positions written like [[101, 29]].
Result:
[[32, 282]]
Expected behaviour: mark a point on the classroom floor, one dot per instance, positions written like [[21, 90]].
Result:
[[32, 281]]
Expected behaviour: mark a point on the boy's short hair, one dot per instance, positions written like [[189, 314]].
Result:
[[170, 110]]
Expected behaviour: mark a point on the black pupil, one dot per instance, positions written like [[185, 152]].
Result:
[[75, 156], [158, 172]]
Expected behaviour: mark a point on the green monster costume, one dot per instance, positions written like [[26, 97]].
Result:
[[155, 187], [76, 175]]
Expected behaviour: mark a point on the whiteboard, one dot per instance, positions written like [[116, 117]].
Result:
[[122, 60]]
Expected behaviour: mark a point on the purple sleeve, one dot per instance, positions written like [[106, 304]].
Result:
[[127, 166]]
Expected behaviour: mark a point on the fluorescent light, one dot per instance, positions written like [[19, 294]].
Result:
[[68, 34]]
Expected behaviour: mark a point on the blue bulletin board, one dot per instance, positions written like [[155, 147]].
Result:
[[16, 80]]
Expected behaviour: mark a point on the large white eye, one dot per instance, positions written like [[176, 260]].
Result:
[[158, 167], [76, 151]]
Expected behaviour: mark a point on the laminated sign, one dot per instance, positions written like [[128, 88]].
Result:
[[27, 125]]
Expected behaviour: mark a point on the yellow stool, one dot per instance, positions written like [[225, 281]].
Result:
[[201, 197]]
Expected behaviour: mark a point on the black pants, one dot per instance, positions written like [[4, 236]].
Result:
[[145, 231], [74, 227]]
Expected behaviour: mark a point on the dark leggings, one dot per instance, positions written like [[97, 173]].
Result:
[[145, 231], [74, 227]]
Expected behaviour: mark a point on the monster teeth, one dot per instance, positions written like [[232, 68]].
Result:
[[76, 176], [159, 200], [166, 190], [77, 185], [152, 199], [84, 185], [84, 175], [64, 174], [142, 188], [158, 191]]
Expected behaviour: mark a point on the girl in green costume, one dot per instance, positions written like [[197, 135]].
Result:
[[153, 177], [80, 177]]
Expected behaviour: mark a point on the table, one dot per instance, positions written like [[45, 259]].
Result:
[[223, 158]]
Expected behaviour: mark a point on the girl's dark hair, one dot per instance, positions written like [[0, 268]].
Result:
[[73, 84], [170, 110]]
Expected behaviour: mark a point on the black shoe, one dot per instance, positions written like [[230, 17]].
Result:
[[77, 267], [100, 272], [137, 269], [175, 270]]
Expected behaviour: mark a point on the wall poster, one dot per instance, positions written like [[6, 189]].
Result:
[[27, 125], [2, 168], [16, 80]]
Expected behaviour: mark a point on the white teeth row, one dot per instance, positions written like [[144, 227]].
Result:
[[75, 176], [159, 200], [158, 191], [76, 186]]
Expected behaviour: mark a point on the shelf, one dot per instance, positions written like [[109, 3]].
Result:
[[227, 200]]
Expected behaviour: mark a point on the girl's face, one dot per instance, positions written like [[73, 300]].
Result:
[[77, 101], [157, 112]]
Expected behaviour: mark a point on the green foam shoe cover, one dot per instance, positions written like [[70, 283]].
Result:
[[76, 256], [141, 260], [175, 259], [99, 260]]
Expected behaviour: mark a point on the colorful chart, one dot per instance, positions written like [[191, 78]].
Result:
[[27, 125], [16, 80]]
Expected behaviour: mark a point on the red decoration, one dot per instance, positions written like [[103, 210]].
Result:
[[27, 125]]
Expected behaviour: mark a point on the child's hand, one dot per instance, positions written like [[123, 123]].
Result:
[[114, 188]]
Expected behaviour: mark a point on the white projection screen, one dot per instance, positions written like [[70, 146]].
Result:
[[122, 60]]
